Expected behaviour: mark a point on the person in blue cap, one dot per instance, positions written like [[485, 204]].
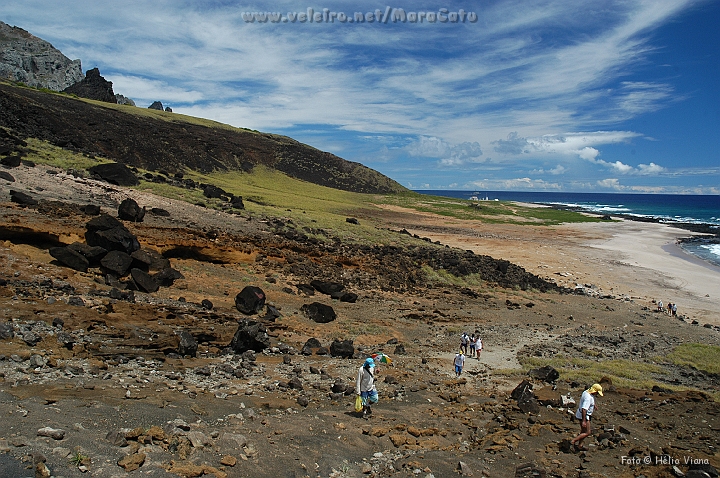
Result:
[[365, 386]]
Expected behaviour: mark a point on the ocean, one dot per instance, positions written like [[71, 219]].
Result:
[[667, 208]]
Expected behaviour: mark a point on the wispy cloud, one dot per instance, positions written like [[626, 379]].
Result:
[[510, 84]]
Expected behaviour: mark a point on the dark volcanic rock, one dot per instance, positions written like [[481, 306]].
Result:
[[546, 374], [167, 277], [22, 198], [156, 105], [250, 335], [117, 262], [92, 253], [342, 348], [103, 223], [237, 202], [117, 239], [11, 161], [156, 211], [93, 87], [213, 192], [144, 281], [70, 258], [312, 342], [115, 173], [107, 232], [91, 209], [328, 288], [250, 300], [150, 260], [188, 345], [318, 312], [7, 176], [129, 210]]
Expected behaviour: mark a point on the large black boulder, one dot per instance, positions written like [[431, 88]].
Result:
[[320, 313], [70, 258], [117, 262], [250, 300], [11, 161], [250, 335], [115, 173], [150, 260], [328, 288], [213, 192], [92, 253], [144, 281], [107, 232], [342, 348], [167, 276], [102, 222], [7, 176], [546, 373], [129, 210]]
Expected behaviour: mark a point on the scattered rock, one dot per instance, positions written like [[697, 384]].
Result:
[[320, 313], [54, 433], [250, 300]]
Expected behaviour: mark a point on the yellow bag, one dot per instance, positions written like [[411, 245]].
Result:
[[358, 403]]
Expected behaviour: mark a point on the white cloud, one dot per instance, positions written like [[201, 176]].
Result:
[[516, 184], [448, 154], [611, 183]]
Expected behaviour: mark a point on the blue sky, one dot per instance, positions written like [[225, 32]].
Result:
[[567, 95]]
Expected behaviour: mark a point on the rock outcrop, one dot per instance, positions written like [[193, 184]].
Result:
[[35, 62], [93, 87]]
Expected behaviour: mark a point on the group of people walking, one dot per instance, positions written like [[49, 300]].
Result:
[[476, 346], [671, 308], [367, 394], [473, 342]]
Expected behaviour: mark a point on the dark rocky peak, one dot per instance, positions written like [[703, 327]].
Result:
[[93, 87], [157, 105], [35, 62]]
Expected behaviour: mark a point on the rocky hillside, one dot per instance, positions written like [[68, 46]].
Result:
[[35, 62], [164, 142]]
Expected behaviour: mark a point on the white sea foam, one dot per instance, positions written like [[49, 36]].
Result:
[[714, 249]]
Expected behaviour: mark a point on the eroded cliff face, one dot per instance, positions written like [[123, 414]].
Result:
[[35, 62]]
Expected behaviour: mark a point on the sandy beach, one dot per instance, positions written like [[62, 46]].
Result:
[[637, 260]]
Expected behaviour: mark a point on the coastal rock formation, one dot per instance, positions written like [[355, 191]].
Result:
[[122, 100], [93, 87], [35, 62]]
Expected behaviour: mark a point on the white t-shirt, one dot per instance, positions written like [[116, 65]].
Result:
[[587, 401], [459, 360]]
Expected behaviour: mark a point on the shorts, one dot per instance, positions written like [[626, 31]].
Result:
[[458, 369], [371, 396], [580, 418]]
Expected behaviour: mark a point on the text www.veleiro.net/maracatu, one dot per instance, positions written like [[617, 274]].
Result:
[[389, 15]]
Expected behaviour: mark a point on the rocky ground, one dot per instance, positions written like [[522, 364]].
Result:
[[94, 381]]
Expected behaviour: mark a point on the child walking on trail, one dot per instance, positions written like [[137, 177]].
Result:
[[459, 363]]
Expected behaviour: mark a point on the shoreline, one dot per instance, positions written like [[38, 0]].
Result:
[[625, 259]]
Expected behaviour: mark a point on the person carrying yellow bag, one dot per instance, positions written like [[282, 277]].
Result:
[[365, 388]]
